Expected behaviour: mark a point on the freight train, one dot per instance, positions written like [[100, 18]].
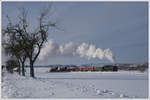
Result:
[[84, 69]]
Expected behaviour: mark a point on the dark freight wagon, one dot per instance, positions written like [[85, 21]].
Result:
[[110, 68], [97, 69]]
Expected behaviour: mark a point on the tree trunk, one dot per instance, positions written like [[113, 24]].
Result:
[[23, 71], [19, 69], [31, 69]]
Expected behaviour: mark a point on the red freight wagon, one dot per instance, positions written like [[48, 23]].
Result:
[[75, 69], [63, 69], [87, 69], [54, 69]]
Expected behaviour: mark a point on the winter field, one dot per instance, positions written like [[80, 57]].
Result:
[[121, 84]]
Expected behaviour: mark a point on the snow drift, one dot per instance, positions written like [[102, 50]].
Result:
[[70, 49]]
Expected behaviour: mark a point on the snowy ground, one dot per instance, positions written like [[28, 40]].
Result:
[[75, 85]]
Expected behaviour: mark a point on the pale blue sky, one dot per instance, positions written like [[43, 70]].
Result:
[[120, 26]]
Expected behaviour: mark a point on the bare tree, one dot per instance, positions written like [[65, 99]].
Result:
[[13, 49], [30, 42]]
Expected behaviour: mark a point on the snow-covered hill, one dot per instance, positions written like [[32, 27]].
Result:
[[75, 85]]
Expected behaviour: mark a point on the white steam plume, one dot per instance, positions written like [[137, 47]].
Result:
[[69, 49], [90, 51], [50, 49]]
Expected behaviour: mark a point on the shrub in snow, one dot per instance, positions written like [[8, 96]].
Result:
[[11, 64]]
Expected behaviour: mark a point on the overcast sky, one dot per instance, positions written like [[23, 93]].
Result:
[[120, 26]]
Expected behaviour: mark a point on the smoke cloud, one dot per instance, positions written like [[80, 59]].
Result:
[[50, 49], [67, 49], [70, 49]]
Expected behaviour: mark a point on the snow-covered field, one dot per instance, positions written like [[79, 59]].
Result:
[[120, 84]]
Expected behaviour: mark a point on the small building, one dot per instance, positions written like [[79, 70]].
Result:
[[16, 69]]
